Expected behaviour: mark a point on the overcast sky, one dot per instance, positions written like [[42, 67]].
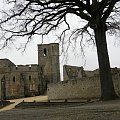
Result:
[[31, 53]]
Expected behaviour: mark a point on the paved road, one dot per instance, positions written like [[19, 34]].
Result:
[[92, 111], [29, 99]]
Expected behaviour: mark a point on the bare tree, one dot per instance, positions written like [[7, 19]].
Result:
[[40, 17]]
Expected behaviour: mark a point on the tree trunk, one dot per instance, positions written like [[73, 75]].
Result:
[[107, 87]]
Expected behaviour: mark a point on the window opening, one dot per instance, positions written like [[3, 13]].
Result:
[[45, 52], [16, 67], [29, 67], [29, 77], [14, 79]]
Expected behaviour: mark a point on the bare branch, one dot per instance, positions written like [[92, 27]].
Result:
[[35, 17], [109, 10]]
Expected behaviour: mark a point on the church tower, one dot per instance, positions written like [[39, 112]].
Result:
[[48, 60]]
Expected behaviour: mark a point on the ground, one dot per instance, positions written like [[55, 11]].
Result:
[[90, 111]]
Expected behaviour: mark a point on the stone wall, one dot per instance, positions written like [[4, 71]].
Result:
[[22, 81], [5, 63], [19, 80], [2, 87], [14, 85], [0, 90], [85, 88], [72, 72]]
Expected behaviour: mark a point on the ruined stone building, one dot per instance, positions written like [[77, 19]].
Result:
[[29, 80], [80, 84]]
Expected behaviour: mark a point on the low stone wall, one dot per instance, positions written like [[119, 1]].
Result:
[[87, 88]]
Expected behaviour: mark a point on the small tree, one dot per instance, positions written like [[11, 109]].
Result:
[[40, 17]]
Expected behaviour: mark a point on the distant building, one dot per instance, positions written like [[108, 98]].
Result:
[[29, 80]]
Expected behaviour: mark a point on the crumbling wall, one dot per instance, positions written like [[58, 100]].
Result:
[[75, 89], [72, 72], [85, 88], [5, 63]]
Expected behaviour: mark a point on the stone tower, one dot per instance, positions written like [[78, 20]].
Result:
[[48, 60]]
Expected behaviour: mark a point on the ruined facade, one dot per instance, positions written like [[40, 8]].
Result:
[[29, 80], [80, 84], [72, 72]]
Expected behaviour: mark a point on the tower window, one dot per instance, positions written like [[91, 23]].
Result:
[[45, 52]]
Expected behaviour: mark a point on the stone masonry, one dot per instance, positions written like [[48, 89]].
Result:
[[80, 84], [29, 80]]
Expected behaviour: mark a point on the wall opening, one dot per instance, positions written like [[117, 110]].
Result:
[[14, 79], [30, 78], [45, 52], [29, 67], [16, 67]]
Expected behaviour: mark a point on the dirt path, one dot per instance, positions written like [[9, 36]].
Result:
[[29, 99]]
